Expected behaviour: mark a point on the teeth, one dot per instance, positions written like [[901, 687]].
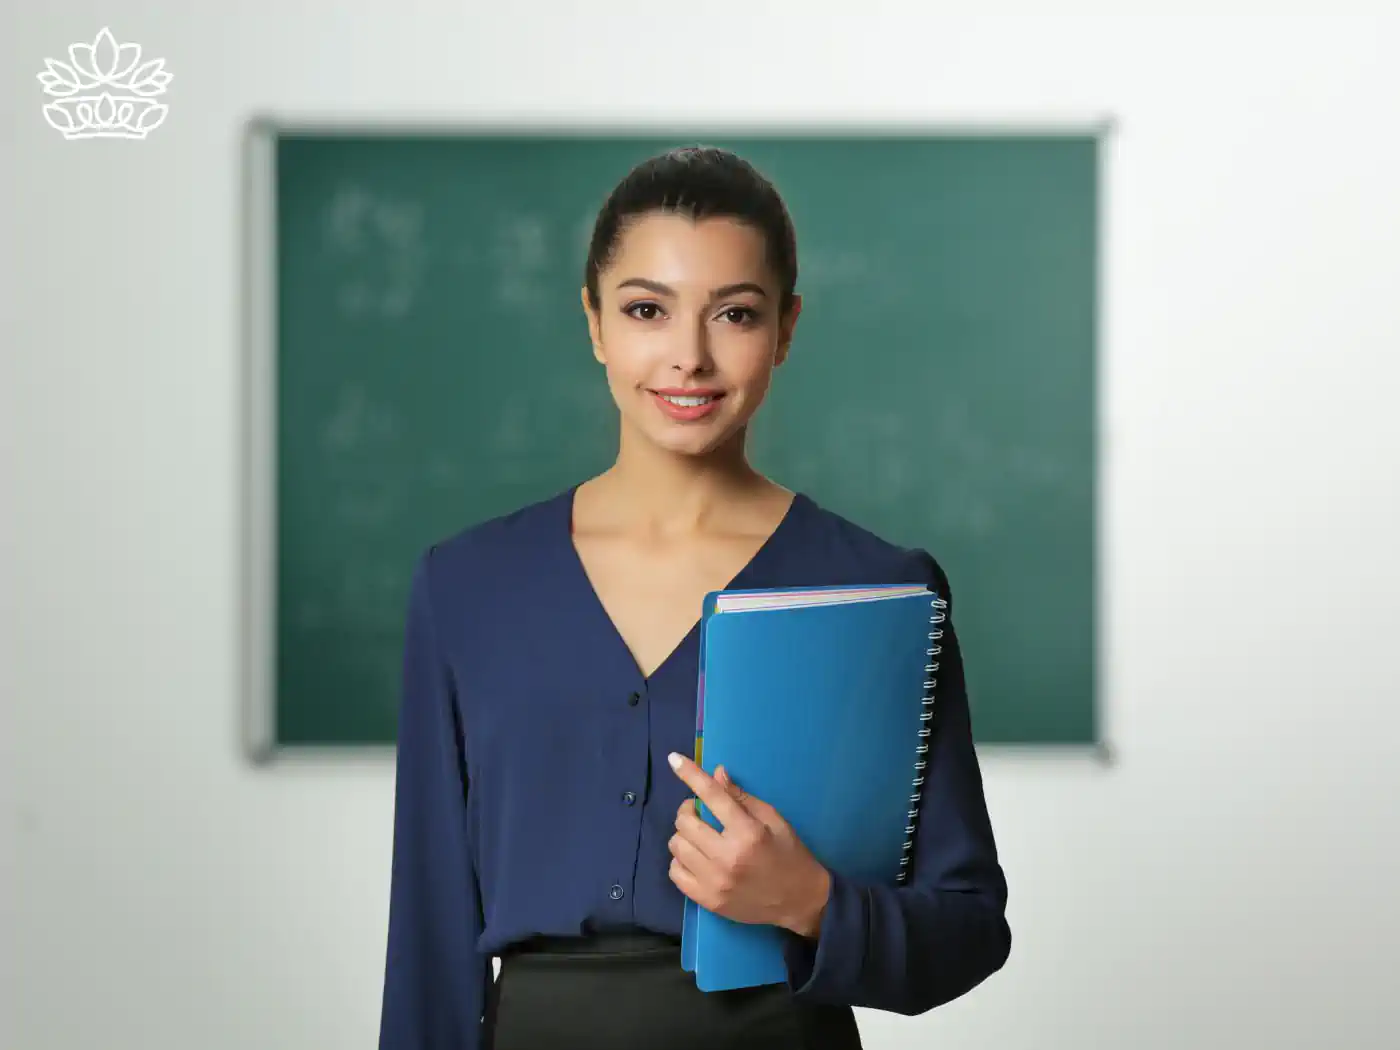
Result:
[[687, 402]]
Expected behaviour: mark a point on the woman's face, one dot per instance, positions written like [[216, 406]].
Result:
[[689, 329]]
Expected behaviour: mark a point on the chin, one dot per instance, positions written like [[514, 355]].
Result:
[[694, 443], [692, 439]]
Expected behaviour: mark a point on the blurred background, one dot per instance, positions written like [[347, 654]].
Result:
[[1226, 881]]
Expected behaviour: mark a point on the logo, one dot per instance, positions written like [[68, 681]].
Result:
[[105, 91]]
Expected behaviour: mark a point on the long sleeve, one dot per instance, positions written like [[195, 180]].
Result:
[[912, 947], [435, 981]]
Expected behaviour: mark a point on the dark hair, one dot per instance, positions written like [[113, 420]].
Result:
[[698, 182]]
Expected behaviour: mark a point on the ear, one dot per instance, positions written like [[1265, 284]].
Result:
[[785, 331], [594, 326]]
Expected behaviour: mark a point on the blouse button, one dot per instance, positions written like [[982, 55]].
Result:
[[616, 892], [629, 797], [634, 699]]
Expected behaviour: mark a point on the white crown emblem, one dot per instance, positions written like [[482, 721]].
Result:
[[106, 92]]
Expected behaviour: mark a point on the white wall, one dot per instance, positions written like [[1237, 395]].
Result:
[[1230, 883]]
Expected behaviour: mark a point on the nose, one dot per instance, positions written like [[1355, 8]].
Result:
[[690, 350]]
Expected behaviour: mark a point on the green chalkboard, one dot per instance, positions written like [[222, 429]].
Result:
[[419, 361]]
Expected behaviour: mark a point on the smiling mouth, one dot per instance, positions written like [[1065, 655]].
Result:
[[688, 400]]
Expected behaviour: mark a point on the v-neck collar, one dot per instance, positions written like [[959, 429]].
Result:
[[747, 576]]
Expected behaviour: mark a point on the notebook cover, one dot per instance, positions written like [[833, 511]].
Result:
[[815, 710], [709, 607]]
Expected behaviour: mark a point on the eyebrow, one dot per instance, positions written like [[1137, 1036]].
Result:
[[718, 293]]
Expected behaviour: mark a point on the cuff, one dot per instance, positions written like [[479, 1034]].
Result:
[[831, 966]]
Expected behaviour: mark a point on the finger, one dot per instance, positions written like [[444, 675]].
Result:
[[722, 804], [687, 883], [699, 832], [723, 779], [761, 811], [693, 859]]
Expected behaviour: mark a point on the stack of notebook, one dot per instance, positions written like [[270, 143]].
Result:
[[818, 701]]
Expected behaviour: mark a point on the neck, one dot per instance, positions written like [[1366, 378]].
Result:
[[657, 489]]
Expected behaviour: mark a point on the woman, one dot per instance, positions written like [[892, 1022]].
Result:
[[542, 811]]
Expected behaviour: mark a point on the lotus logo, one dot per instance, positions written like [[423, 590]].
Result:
[[104, 90]]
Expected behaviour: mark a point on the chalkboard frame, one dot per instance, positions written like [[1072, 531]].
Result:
[[257, 692]]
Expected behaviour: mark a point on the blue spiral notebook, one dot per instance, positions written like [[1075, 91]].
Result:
[[818, 701]]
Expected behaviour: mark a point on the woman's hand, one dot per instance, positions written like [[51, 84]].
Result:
[[756, 870]]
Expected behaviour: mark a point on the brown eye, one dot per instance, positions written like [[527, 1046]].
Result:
[[739, 315], [643, 311]]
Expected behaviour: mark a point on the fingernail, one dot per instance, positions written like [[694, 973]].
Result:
[[674, 759]]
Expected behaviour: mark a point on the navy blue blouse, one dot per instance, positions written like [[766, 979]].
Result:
[[533, 794]]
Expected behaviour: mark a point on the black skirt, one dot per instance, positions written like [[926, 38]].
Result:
[[627, 991]]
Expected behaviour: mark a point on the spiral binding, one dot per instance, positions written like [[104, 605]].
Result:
[[935, 634]]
